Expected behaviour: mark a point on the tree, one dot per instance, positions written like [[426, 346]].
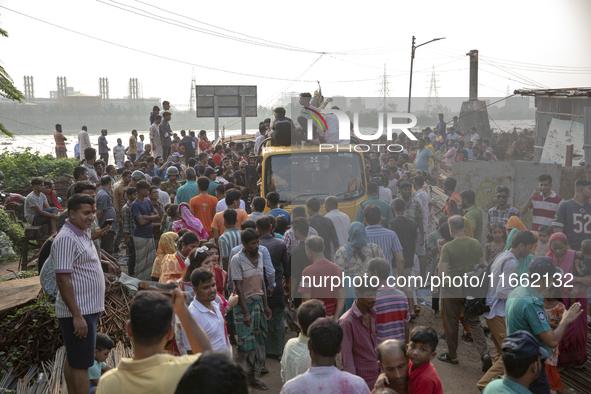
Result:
[[7, 89]]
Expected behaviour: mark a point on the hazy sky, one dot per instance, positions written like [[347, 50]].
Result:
[[357, 38]]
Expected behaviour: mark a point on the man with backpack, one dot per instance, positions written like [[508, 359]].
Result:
[[504, 272], [458, 258]]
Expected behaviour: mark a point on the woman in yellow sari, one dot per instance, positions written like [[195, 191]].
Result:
[[173, 265], [165, 246]]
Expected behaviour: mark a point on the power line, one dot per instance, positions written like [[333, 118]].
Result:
[[509, 62], [159, 56]]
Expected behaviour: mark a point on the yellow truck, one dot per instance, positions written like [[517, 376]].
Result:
[[300, 172]]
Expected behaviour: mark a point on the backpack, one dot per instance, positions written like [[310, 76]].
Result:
[[475, 296]]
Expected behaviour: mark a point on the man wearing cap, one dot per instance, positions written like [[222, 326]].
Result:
[[522, 357], [211, 174], [185, 193], [525, 311], [172, 185]]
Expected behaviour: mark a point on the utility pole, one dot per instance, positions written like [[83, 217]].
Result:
[[412, 58], [192, 97]]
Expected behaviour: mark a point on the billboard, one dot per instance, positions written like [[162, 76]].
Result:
[[229, 101]]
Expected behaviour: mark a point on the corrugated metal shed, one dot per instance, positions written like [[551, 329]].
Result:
[[564, 104]]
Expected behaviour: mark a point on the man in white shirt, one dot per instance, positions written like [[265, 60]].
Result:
[[165, 108], [83, 140], [260, 138], [296, 356], [473, 135], [163, 197], [206, 310], [323, 377], [502, 269], [341, 220]]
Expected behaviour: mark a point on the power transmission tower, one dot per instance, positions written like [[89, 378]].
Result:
[[433, 105], [192, 97], [385, 105], [29, 89], [104, 88]]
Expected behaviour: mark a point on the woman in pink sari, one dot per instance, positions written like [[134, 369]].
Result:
[[573, 347], [189, 222]]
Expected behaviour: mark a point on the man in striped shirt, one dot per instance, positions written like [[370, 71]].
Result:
[[386, 239], [544, 201], [81, 296], [230, 238], [391, 305], [291, 242]]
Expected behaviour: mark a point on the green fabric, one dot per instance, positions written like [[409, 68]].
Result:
[[251, 340], [461, 255], [525, 311], [523, 261], [383, 205], [524, 264], [211, 189], [474, 215], [431, 243], [505, 386], [276, 333], [510, 239]]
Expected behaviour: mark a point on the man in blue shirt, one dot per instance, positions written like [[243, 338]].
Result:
[[423, 156], [373, 193], [524, 310], [272, 203], [572, 215], [522, 356], [185, 193]]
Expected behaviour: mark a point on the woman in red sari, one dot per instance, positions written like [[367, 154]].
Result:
[[573, 347], [207, 256], [173, 265]]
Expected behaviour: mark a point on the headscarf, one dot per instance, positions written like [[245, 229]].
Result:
[[357, 238], [515, 223], [567, 260], [190, 222], [165, 246]]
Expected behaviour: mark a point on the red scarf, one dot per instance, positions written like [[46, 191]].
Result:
[[55, 201]]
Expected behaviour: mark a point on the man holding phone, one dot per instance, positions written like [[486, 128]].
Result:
[[81, 296], [106, 214]]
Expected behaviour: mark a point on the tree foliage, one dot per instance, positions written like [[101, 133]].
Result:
[[7, 88]]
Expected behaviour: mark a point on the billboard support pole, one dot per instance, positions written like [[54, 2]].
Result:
[[243, 114], [216, 117]]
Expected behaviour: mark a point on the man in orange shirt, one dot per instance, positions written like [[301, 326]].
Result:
[[232, 201], [203, 205]]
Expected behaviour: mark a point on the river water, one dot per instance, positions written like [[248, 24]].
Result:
[[45, 144]]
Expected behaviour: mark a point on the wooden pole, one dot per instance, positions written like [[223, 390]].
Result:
[[569, 155]]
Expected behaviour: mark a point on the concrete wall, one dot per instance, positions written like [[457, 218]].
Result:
[[520, 177]]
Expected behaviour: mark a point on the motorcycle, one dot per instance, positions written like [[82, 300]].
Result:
[[9, 201]]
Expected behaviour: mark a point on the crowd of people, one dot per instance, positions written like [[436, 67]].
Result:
[[235, 269]]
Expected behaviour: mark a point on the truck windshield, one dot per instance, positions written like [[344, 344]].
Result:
[[299, 176]]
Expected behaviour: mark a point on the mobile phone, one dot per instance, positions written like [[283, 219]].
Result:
[[161, 287], [108, 222]]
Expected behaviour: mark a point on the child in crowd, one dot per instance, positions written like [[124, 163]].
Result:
[[497, 238], [544, 234], [422, 376], [582, 267], [554, 310], [103, 347]]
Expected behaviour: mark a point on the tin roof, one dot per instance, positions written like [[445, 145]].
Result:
[[560, 92]]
